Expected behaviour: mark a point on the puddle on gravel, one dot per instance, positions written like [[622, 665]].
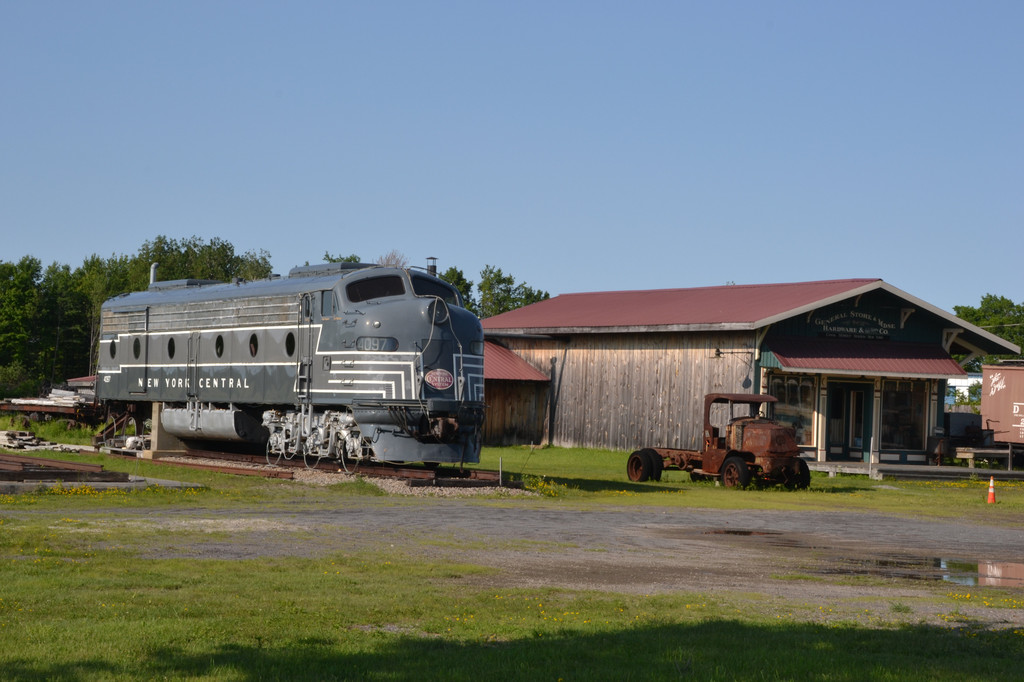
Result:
[[980, 574], [905, 566], [969, 573]]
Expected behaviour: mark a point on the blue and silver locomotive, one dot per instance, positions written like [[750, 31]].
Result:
[[342, 360]]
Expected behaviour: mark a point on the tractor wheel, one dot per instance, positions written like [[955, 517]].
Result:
[[656, 464], [735, 473], [803, 477], [638, 466]]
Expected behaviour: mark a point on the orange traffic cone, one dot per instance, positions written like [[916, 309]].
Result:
[[991, 489]]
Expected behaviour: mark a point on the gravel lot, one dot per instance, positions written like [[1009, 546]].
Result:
[[825, 565], [821, 566]]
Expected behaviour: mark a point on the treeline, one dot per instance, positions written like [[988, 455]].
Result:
[[49, 317], [997, 315]]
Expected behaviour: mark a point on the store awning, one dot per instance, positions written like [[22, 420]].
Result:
[[863, 357]]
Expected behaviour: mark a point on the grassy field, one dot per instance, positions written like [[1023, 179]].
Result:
[[84, 595], [594, 477]]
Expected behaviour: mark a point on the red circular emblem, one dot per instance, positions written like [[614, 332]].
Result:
[[440, 379]]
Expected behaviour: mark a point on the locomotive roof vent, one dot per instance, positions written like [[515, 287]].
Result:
[[326, 269], [182, 284]]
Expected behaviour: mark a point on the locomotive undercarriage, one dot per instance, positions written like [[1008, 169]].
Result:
[[332, 434], [378, 432], [431, 431]]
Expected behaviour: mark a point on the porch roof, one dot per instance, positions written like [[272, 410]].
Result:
[[863, 358]]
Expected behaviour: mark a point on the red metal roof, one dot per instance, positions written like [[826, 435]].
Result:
[[501, 363], [736, 306], [864, 357]]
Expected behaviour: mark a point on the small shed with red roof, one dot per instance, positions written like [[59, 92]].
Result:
[[859, 366], [517, 398]]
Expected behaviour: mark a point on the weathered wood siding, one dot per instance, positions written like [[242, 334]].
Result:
[[625, 391], [515, 412]]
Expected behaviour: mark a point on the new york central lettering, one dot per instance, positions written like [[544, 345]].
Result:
[[228, 382]]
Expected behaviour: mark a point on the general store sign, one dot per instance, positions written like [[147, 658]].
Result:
[[854, 324]]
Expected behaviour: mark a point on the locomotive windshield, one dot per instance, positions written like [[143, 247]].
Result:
[[424, 286], [375, 287]]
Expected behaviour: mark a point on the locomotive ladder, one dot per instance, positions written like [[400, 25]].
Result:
[[304, 370]]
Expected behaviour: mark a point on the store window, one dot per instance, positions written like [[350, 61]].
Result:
[[796, 404], [904, 411]]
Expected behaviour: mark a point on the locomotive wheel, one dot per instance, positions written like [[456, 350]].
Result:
[[638, 466], [311, 452], [271, 455], [735, 473]]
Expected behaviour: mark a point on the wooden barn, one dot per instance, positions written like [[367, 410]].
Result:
[[859, 367]]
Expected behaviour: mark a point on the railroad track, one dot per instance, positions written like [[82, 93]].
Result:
[[257, 465]]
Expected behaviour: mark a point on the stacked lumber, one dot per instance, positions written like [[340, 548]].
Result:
[[24, 440], [57, 398]]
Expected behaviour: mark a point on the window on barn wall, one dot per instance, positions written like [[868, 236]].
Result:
[[904, 411], [796, 404]]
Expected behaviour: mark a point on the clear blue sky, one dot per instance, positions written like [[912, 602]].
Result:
[[579, 146]]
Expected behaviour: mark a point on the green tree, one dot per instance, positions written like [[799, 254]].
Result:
[[15, 381], [99, 280], [19, 316], [193, 258], [458, 280], [62, 344], [49, 320], [500, 293], [328, 258], [997, 315]]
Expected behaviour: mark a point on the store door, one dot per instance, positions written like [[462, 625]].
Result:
[[849, 421]]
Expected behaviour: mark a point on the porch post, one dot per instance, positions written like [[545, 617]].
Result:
[[822, 415]]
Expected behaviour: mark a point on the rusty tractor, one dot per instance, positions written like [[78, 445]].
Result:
[[753, 449]]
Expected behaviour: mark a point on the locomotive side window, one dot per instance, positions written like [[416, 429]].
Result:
[[113, 348], [218, 346], [170, 347], [289, 344], [137, 348], [254, 345], [375, 287], [424, 286], [327, 304]]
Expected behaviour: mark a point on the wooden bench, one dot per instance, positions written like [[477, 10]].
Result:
[[971, 454]]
